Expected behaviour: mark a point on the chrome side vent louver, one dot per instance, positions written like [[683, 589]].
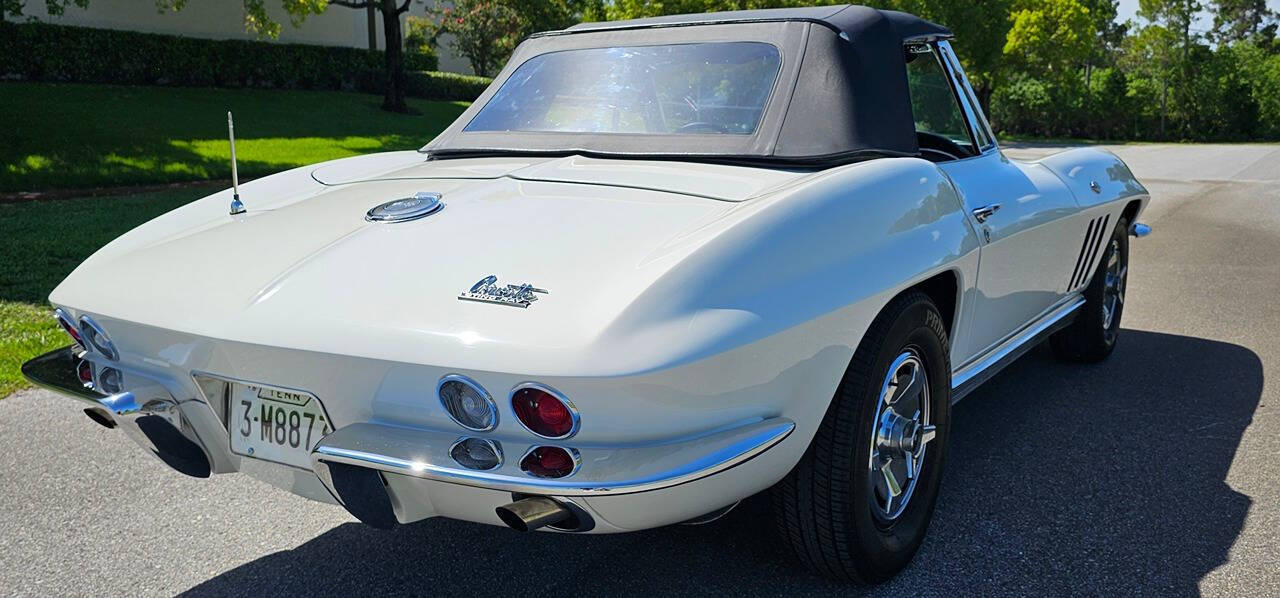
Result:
[[1089, 249]]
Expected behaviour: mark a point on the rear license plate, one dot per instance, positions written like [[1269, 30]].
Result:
[[275, 424]]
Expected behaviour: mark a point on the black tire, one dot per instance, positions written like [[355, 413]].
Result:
[[1091, 337], [823, 508]]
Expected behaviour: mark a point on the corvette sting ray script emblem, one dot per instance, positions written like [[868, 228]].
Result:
[[487, 290]]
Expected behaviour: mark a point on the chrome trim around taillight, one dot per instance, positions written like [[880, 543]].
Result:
[[109, 380], [559, 396], [96, 338], [494, 446], [68, 325], [488, 399], [573, 454]]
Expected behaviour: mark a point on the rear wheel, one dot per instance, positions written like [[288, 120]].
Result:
[[1093, 335], [858, 504]]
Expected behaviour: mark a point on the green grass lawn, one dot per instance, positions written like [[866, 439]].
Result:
[[85, 136], [56, 136], [44, 241]]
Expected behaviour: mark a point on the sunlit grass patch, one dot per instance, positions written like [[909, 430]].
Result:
[[86, 136], [26, 330], [44, 241], [280, 153]]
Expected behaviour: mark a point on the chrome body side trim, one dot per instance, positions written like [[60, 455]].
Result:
[[972, 375], [424, 454]]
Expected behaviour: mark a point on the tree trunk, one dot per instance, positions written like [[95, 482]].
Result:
[[1164, 104], [393, 95], [984, 92]]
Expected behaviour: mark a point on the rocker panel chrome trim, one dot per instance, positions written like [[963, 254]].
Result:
[[970, 377]]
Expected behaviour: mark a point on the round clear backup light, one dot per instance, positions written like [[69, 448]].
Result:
[[96, 337], [467, 403], [110, 380], [477, 453]]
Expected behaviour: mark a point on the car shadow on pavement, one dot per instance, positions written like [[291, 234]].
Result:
[[1104, 478]]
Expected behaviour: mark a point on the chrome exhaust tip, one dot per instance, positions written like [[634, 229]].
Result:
[[100, 417], [528, 514]]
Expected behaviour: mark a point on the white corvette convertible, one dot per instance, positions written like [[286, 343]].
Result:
[[659, 266]]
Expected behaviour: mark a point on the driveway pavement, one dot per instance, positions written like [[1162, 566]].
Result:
[[1155, 472]]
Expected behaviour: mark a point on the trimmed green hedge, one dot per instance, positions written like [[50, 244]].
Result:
[[437, 85], [59, 53]]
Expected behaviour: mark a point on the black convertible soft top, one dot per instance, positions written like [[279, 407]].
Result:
[[841, 93]]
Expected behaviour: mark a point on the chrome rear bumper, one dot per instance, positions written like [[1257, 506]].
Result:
[[386, 474], [606, 471], [148, 414], [369, 466]]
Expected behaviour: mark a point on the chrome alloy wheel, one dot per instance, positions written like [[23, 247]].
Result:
[[1113, 285], [901, 434]]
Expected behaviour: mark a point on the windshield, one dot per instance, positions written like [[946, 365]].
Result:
[[714, 88]]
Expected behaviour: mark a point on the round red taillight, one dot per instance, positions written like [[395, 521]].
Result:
[[84, 371], [68, 326], [544, 411], [549, 462]]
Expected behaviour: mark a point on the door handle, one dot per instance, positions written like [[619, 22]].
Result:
[[981, 214]]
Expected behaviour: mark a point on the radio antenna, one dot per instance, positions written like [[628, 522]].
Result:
[[236, 206]]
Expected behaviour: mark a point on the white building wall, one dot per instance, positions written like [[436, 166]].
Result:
[[449, 61], [224, 19], [213, 19]]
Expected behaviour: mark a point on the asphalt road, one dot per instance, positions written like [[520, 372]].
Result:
[[1155, 472]]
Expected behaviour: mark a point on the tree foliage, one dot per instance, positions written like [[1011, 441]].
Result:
[[258, 19], [486, 31], [1054, 37], [14, 8], [981, 29], [1060, 68], [1243, 20]]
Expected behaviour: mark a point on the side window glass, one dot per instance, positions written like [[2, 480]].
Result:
[[981, 129], [940, 124]]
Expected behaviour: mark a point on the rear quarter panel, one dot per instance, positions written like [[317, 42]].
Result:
[[1081, 167], [1104, 188]]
